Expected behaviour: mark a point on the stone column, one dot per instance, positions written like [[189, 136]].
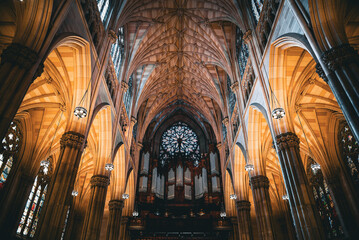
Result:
[[234, 234], [345, 203], [13, 203], [262, 204], [244, 220], [58, 196], [114, 223], [17, 71], [343, 64], [123, 229], [92, 224], [305, 215]]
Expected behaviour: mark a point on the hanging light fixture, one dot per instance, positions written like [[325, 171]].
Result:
[[74, 193], [109, 167], [285, 197], [233, 196], [278, 112], [249, 167], [125, 196], [315, 167], [80, 112], [223, 213], [135, 212]]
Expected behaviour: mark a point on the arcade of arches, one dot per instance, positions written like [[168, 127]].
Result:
[[179, 119]]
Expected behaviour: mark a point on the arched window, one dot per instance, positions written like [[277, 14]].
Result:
[[127, 97], [257, 6], [31, 213], [349, 149], [324, 202], [179, 139], [9, 149], [103, 7], [117, 51], [242, 52]]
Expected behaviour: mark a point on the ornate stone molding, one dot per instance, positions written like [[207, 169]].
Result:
[[225, 121], [337, 57], [124, 86], [133, 120], [72, 140], [259, 181], [19, 55], [243, 205], [247, 36], [112, 35], [286, 140], [321, 72], [115, 204], [99, 181], [235, 87]]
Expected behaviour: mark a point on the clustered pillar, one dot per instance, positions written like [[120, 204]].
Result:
[[262, 204], [54, 212], [244, 220], [305, 216], [114, 224], [92, 224]]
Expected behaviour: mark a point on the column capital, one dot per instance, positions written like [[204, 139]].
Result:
[[320, 72], [235, 87], [225, 121], [112, 35], [338, 56], [133, 120], [286, 140], [72, 139], [124, 86], [243, 205], [139, 145], [19, 55], [259, 181], [99, 181], [219, 146], [247, 36], [115, 204]]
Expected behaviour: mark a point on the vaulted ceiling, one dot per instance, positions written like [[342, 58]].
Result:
[[179, 53]]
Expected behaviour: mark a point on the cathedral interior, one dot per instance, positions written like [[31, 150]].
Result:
[[179, 119]]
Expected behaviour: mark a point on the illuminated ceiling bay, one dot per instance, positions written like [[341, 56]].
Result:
[[180, 56]]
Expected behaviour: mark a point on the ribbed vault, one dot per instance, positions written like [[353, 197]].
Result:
[[180, 50]]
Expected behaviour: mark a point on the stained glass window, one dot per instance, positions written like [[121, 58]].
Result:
[[127, 97], [179, 140], [117, 51], [9, 148], [231, 96], [242, 52], [31, 213], [257, 6], [103, 7], [349, 149], [324, 202]]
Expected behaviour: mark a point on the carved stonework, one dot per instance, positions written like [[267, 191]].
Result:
[[243, 205], [286, 140], [225, 121], [124, 86], [235, 87], [115, 204], [339, 56], [99, 181], [259, 181], [321, 72], [72, 140], [112, 35], [19, 55], [247, 36], [133, 120]]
